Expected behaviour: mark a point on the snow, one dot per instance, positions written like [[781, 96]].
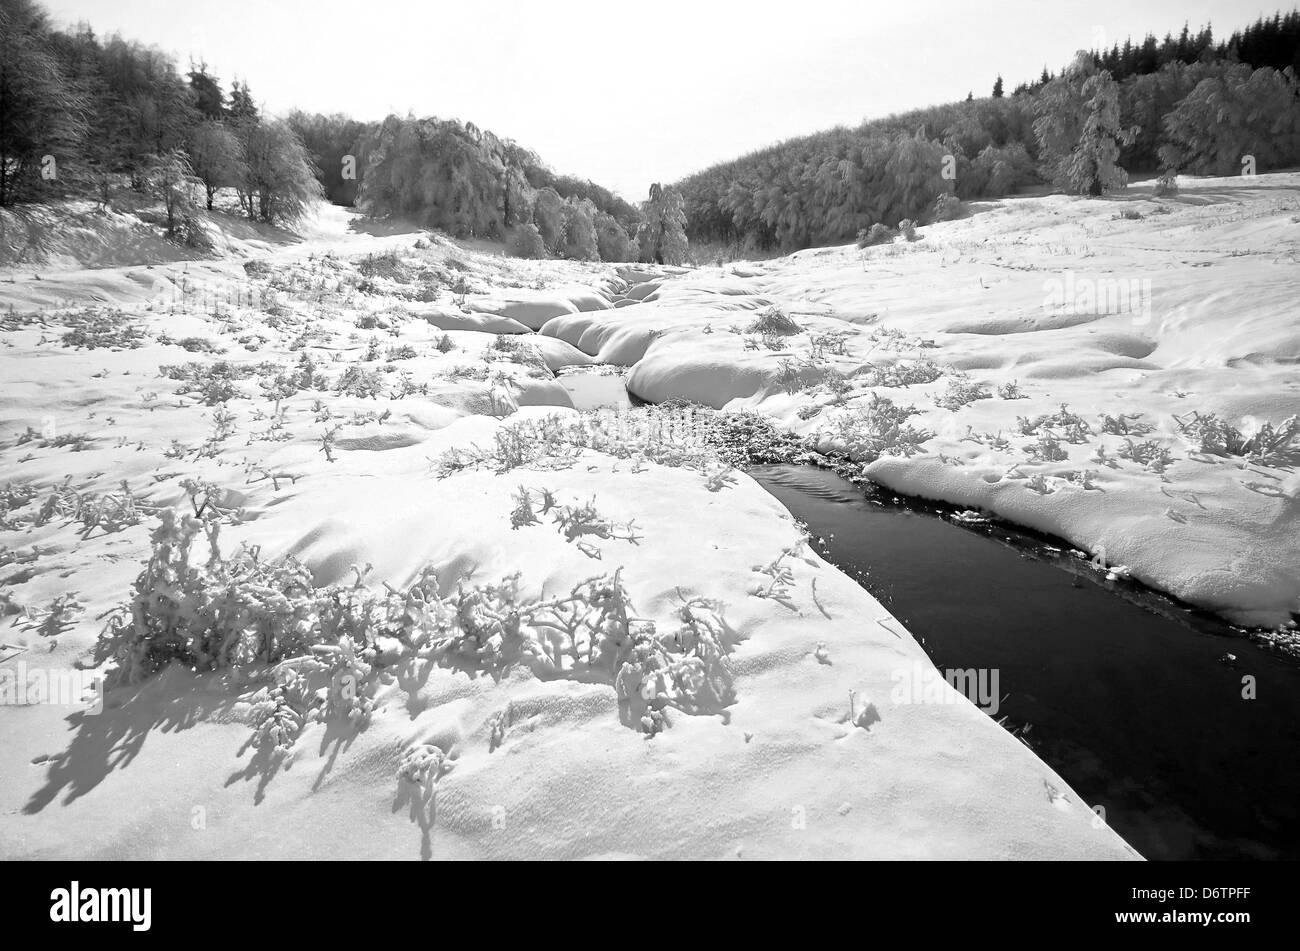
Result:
[[1197, 313], [816, 756]]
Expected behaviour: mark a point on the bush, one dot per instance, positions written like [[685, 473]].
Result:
[[528, 243], [877, 234], [878, 429], [328, 646], [773, 320], [948, 207], [907, 228], [1166, 186]]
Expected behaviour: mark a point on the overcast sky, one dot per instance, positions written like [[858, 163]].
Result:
[[627, 95]]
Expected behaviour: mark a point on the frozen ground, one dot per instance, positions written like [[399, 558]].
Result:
[[1015, 333], [318, 399]]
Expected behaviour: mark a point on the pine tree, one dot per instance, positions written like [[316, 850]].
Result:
[[208, 97], [997, 88]]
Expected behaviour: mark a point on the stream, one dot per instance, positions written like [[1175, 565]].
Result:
[[1135, 700]]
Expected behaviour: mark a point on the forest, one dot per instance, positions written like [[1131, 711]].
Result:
[[1184, 104], [83, 115]]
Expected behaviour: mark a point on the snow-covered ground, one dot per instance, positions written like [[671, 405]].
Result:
[[1033, 321], [331, 387]]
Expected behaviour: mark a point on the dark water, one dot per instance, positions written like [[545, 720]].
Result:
[[1126, 694]]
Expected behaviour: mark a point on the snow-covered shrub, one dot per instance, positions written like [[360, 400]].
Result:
[[907, 228], [529, 243], [1125, 424], [278, 712], [661, 434], [360, 382], [94, 329], [904, 373], [1148, 453], [1270, 446], [422, 765], [1166, 185], [879, 428], [830, 343], [961, 392], [1047, 449], [325, 648], [773, 320], [876, 234], [948, 207]]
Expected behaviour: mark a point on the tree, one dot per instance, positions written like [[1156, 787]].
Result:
[[171, 180], [611, 239], [548, 215], [39, 114], [242, 109], [1078, 129], [208, 97], [216, 156], [528, 242], [1225, 119], [997, 88], [579, 241], [662, 236], [279, 184]]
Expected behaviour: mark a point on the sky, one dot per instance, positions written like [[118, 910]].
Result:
[[629, 95]]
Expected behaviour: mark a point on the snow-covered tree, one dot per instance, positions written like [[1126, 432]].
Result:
[[579, 241], [662, 236], [217, 157], [1079, 131], [1226, 119], [611, 238]]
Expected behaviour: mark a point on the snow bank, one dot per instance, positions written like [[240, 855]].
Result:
[[322, 443], [1063, 302]]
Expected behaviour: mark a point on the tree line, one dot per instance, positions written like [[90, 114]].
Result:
[[1184, 105], [78, 115], [81, 115]]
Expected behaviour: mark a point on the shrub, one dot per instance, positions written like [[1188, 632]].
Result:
[[328, 646], [878, 429], [1271, 445], [902, 373], [907, 228], [961, 392], [948, 207], [876, 234], [1166, 186], [528, 242], [773, 320]]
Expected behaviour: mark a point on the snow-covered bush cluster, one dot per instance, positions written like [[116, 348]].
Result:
[[668, 435], [327, 650], [879, 428]]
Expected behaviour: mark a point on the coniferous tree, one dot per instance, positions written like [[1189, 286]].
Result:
[[209, 99]]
